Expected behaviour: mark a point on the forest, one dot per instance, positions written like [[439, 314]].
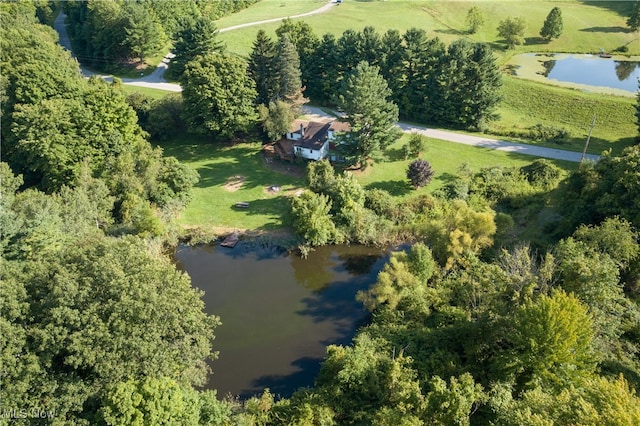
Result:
[[475, 322]]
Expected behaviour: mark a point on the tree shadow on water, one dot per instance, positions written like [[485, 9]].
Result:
[[283, 385]]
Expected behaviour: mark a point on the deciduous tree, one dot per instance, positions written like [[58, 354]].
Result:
[[475, 19], [311, 218], [218, 95], [512, 30], [276, 119]]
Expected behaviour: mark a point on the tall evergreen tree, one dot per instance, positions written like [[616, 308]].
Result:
[[552, 27], [391, 65], [347, 53], [323, 76], [305, 41], [197, 36], [262, 68], [287, 67], [466, 87], [144, 34], [368, 46], [364, 96], [420, 60]]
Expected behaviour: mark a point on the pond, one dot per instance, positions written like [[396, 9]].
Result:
[[278, 311], [590, 70]]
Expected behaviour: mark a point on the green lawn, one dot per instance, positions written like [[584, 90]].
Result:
[[242, 164], [269, 9], [588, 26], [215, 195], [445, 158], [152, 93], [527, 103]]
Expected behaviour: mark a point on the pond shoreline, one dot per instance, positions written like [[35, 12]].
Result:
[[530, 66]]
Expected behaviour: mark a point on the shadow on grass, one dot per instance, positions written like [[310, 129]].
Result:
[[623, 8], [452, 31], [533, 41], [605, 30], [396, 188], [447, 178]]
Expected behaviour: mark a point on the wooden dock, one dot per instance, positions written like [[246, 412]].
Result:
[[231, 240]]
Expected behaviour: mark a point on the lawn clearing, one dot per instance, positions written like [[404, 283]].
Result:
[[446, 158], [230, 175], [269, 9], [527, 103]]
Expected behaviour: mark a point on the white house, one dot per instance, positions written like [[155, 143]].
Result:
[[310, 140]]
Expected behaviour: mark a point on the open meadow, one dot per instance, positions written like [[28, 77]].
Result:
[[588, 26]]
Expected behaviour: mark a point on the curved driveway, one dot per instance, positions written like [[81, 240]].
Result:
[[156, 80]]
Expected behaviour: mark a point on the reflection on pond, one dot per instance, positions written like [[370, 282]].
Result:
[[278, 311], [592, 70]]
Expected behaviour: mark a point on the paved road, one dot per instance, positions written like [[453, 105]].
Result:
[[323, 9], [479, 141], [156, 80]]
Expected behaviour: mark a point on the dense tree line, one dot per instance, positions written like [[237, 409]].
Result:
[[58, 127], [91, 308], [107, 34], [457, 85]]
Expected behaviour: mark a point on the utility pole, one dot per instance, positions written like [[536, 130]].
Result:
[[584, 151]]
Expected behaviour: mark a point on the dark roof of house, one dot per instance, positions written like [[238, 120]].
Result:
[[315, 133]]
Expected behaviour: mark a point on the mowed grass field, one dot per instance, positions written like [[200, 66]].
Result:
[[239, 173], [588, 26], [527, 103]]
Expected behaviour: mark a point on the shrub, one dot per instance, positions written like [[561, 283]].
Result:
[[542, 173], [419, 173], [380, 201], [540, 132]]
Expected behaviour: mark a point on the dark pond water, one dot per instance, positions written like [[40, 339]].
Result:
[[279, 312], [594, 71]]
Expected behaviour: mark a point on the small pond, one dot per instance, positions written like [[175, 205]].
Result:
[[278, 311], [591, 70]]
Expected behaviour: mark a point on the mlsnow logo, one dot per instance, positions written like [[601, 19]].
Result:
[[31, 413]]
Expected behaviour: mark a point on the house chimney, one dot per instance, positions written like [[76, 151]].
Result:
[[301, 130]]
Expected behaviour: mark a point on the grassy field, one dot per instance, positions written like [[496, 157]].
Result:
[[269, 9], [446, 158], [588, 26], [228, 175], [527, 103], [239, 173]]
